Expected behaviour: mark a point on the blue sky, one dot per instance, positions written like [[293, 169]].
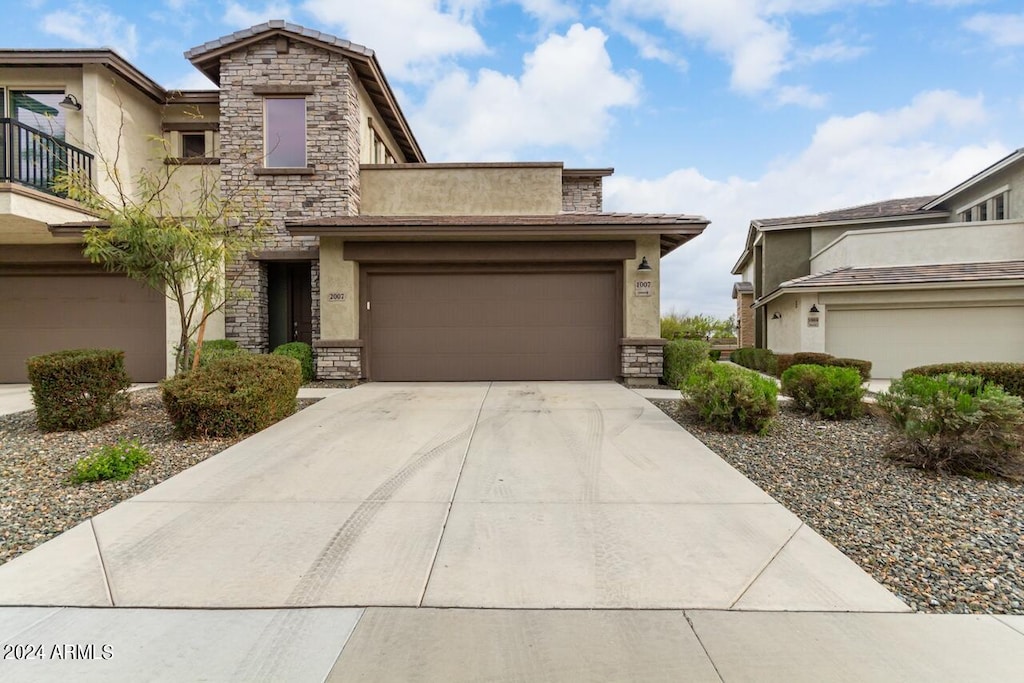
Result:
[[732, 109]]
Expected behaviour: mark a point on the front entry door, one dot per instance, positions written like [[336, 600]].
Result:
[[290, 303]]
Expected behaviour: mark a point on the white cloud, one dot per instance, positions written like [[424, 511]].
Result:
[[241, 16], [1001, 30], [92, 26], [801, 95], [549, 11], [850, 160], [409, 37], [832, 51], [563, 97]]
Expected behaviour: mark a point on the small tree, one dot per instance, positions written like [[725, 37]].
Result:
[[684, 326], [178, 235]]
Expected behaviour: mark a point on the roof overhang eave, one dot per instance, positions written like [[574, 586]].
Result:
[[945, 284]]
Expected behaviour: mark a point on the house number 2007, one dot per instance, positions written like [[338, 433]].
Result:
[[336, 296]]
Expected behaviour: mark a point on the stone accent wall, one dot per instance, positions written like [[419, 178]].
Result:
[[745, 319], [642, 361], [332, 154], [581, 194], [335, 360]]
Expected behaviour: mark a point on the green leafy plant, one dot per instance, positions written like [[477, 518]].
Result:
[[831, 392], [116, 461], [1010, 376], [216, 348], [234, 395], [762, 360], [683, 326], [301, 352], [956, 423], [78, 389], [732, 399], [681, 357]]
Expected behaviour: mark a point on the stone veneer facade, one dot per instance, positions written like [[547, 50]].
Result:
[[745, 318], [581, 193], [329, 185], [642, 361]]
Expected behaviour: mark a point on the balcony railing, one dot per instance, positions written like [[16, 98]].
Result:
[[32, 158]]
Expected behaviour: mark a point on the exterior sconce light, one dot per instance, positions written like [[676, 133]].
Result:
[[776, 316], [644, 265], [814, 308], [71, 102]]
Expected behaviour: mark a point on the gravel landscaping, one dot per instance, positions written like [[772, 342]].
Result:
[[942, 543], [36, 504]]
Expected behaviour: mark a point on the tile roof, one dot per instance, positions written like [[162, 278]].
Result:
[[889, 208], [577, 218], [271, 25], [849, 276]]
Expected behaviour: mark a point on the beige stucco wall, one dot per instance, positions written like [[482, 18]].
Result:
[[793, 331], [368, 111], [822, 237], [642, 314], [942, 243], [466, 189], [1012, 177], [339, 318]]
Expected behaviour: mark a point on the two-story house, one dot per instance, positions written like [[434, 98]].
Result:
[[392, 267], [902, 282]]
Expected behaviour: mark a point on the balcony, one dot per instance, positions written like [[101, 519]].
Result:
[[31, 158]]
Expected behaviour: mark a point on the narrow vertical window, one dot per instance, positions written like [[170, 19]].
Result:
[[285, 132], [999, 207]]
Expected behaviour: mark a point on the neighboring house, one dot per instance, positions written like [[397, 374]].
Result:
[[901, 283], [393, 268]]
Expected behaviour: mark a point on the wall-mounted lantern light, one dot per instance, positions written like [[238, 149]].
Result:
[[644, 265], [71, 102], [814, 308], [776, 316]]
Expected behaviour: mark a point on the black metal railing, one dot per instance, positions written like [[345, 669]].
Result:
[[32, 158]]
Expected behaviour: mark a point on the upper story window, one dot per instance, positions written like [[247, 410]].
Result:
[[379, 152], [193, 145], [39, 109], [992, 208], [284, 132]]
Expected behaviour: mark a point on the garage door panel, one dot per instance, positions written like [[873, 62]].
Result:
[[45, 313], [897, 339], [501, 326]]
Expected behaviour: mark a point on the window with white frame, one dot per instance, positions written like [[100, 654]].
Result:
[[992, 208], [284, 125]]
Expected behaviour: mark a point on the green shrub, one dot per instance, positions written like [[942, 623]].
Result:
[[118, 461], [213, 349], [811, 358], [732, 399], [715, 355], [1010, 376], [762, 360], [681, 357], [956, 423], [78, 389], [863, 367], [783, 362], [239, 394], [301, 352], [831, 392]]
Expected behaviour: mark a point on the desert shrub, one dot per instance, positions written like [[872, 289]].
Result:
[[831, 392], [78, 389], [301, 352], [681, 357], [762, 360], [863, 367], [732, 399], [239, 394], [214, 349], [783, 362], [1010, 376], [116, 461], [811, 358], [956, 423], [715, 355]]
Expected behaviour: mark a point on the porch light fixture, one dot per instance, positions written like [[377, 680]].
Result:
[[814, 308], [776, 316], [644, 265], [71, 102]]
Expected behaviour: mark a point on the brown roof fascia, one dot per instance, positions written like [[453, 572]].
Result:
[[206, 58], [75, 57], [463, 164], [587, 172], [193, 97]]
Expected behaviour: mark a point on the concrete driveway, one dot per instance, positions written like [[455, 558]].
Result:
[[515, 495]]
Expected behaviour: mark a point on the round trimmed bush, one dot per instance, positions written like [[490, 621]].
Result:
[[832, 392], [78, 389], [301, 352]]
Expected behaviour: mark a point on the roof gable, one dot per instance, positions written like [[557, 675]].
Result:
[[984, 174], [206, 58]]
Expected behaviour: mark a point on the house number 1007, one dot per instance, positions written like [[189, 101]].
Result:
[[643, 288]]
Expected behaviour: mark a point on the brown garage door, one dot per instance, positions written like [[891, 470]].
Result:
[[461, 326], [44, 313]]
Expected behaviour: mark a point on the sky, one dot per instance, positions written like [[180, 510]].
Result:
[[729, 109]]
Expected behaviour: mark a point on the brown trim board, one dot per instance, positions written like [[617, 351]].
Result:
[[489, 252]]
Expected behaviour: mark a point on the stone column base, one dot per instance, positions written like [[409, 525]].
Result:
[[642, 361], [339, 358]]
